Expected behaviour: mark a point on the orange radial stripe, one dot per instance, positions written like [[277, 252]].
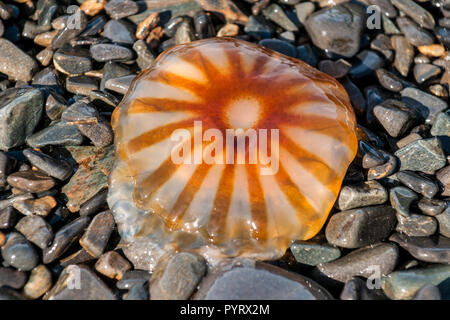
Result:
[[258, 204]]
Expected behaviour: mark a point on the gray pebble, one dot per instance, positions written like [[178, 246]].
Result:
[[416, 225], [36, 230], [361, 194], [59, 169], [425, 186], [19, 253], [59, 133], [15, 63], [434, 250], [108, 52], [395, 116], [97, 234]]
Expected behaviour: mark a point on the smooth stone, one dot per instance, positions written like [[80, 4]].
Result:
[[416, 225], [100, 133], [228, 9], [360, 227], [367, 61], [395, 116], [64, 238], [78, 257], [59, 169], [118, 9], [55, 105], [414, 33], [36, 230], [404, 54], [443, 176], [304, 10], [82, 85], [121, 84], [444, 222], [108, 52], [92, 175], [432, 207], [112, 70], [250, 280], [103, 98], [185, 33], [424, 155], [421, 59], [30, 181], [59, 133], [441, 127], [306, 53], [382, 44], [401, 199], [119, 31], [96, 237], [280, 46], [257, 27], [389, 26], [41, 206], [72, 61], [94, 26], [136, 293], [439, 90], [427, 105], [388, 80], [434, 250], [337, 69], [8, 218], [361, 194], [7, 165], [39, 283], [20, 113], [177, 277], [337, 29], [360, 261], [356, 289], [94, 204], [112, 265], [312, 254], [80, 112], [7, 293], [425, 71], [415, 12], [76, 277], [408, 139], [403, 285], [203, 25], [76, 23], [275, 13], [15, 63], [19, 253], [425, 186], [133, 278], [144, 56], [428, 292], [13, 199], [12, 278]]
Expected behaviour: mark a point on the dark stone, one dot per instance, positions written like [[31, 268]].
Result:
[[31, 181], [432, 207], [312, 253], [413, 33], [14, 62], [119, 31], [94, 204], [404, 54], [258, 28], [395, 117], [367, 62], [19, 253], [8, 218], [12, 278], [401, 199], [280, 46], [435, 250], [425, 186], [361, 194], [389, 80], [82, 85], [60, 133], [72, 61], [133, 278], [97, 234], [76, 23], [118, 9], [416, 225], [108, 52], [356, 289], [425, 71], [275, 13], [59, 169], [416, 12], [428, 106]]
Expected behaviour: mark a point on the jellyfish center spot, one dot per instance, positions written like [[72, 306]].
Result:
[[243, 113]]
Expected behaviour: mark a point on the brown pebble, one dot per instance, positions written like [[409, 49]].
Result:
[[112, 265], [438, 90], [443, 176], [45, 39], [228, 30], [97, 234], [30, 181], [148, 24], [432, 50], [154, 38], [2, 239], [92, 7], [41, 206], [45, 57], [40, 282]]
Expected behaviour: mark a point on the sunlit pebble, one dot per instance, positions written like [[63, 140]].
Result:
[[143, 29], [92, 7]]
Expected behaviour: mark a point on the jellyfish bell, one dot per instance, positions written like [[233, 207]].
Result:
[[263, 169]]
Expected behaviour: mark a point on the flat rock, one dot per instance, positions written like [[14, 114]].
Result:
[[12, 278], [428, 249], [416, 225], [103, 52], [40, 282], [423, 185], [60, 133], [58, 169], [118, 9], [36, 230], [97, 234], [31, 181], [401, 199], [112, 265], [395, 117], [422, 155], [312, 253], [15, 63], [361, 194]]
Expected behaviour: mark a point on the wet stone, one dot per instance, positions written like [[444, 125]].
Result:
[[78, 257], [112, 70], [432, 207], [433, 50], [416, 12], [55, 105], [112, 265], [444, 222], [425, 71], [428, 292], [438, 90], [356, 289], [64, 238], [427, 105], [93, 288], [280, 46], [69, 32], [136, 293], [404, 54], [408, 139], [361, 194], [119, 31], [12, 278], [133, 278], [389, 80], [203, 25], [40, 207], [336, 69], [19, 253], [45, 39], [403, 285], [13, 199], [425, 186], [303, 11], [45, 57], [15, 63], [401, 199], [382, 44], [421, 59], [59, 133], [312, 254], [276, 14], [441, 127], [144, 55], [80, 112], [72, 61], [36, 230], [100, 133], [414, 33], [97, 234], [416, 225], [82, 85], [59, 169], [40, 282], [424, 155], [360, 227], [367, 62], [395, 117], [433, 249], [177, 277], [108, 52], [443, 176], [337, 29], [8, 217], [306, 53], [118, 9], [6, 167], [121, 84], [20, 112], [7, 293], [31, 181], [246, 279], [228, 9], [184, 34], [258, 28], [358, 262]]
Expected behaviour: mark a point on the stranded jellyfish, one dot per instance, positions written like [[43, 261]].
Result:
[[228, 149]]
